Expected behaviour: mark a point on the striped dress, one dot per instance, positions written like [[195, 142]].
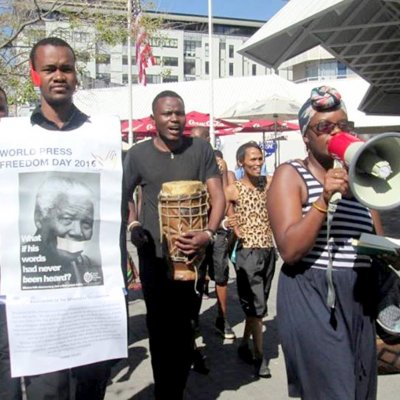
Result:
[[329, 354]]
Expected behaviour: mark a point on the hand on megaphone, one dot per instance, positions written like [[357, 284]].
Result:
[[336, 181]]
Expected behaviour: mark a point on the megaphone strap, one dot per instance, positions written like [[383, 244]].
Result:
[[331, 297]]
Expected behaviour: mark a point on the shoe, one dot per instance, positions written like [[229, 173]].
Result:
[[261, 367], [245, 354], [223, 328], [199, 363]]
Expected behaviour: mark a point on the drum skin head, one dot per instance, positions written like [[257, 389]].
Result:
[[177, 188]]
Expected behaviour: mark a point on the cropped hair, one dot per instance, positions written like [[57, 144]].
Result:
[[49, 41], [165, 93], [218, 153], [55, 188], [241, 151]]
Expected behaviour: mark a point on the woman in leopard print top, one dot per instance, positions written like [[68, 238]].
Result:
[[255, 254]]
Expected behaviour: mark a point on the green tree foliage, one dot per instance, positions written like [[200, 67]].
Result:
[[85, 24]]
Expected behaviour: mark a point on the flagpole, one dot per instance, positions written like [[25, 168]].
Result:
[[129, 43], [210, 70]]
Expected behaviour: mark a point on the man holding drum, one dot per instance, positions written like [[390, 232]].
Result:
[[169, 157]]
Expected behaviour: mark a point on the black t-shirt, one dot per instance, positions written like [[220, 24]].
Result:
[[149, 167], [75, 120]]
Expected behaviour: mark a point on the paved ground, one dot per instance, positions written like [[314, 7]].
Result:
[[229, 378]]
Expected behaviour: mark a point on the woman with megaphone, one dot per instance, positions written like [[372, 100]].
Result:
[[324, 308]]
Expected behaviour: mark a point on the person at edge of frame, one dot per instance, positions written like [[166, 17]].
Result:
[[53, 68], [325, 301]]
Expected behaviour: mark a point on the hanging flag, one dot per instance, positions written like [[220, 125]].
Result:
[[143, 50]]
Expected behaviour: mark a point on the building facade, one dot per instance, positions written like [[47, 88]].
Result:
[[181, 50]]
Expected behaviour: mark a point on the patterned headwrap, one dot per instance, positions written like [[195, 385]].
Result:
[[322, 99]]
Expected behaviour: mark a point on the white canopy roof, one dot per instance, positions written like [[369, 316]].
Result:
[[363, 34], [227, 93]]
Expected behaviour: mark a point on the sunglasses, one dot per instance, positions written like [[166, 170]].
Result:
[[327, 127]]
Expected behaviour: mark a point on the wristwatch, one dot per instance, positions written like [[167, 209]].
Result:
[[211, 234]]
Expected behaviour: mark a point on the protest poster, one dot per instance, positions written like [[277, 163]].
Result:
[[59, 244]]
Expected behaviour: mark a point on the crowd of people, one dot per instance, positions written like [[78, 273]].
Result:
[[326, 321]]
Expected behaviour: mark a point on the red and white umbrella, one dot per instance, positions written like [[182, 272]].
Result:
[[195, 118], [268, 125], [144, 127]]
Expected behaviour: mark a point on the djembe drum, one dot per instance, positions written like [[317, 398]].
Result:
[[183, 207]]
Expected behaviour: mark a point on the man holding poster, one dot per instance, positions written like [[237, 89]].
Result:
[[61, 173]]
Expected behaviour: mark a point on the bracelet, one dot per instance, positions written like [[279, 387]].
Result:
[[319, 208], [223, 224], [211, 235], [133, 224]]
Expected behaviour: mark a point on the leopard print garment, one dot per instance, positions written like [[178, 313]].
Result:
[[251, 209]]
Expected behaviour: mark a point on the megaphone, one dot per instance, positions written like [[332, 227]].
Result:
[[374, 167]]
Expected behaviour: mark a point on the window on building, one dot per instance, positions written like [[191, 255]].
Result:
[[163, 42], [230, 69], [189, 47], [311, 71], [153, 78], [125, 60], [207, 68], [170, 78], [125, 78], [222, 50], [341, 69], [170, 61], [231, 51], [206, 50], [254, 69], [189, 67], [327, 68]]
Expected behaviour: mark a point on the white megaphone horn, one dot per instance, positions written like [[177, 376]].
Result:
[[374, 167]]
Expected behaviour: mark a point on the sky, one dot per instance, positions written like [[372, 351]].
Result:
[[246, 9]]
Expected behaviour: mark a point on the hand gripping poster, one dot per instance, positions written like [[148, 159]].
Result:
[[61, 278]]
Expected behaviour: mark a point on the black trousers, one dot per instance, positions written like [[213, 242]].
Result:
[[10, 388], [88, 382], [170, 309]]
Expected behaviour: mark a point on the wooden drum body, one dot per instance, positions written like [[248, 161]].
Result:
[[182, 207]]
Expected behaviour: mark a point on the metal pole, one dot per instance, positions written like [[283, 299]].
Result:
[[211, 69], [129, 44]]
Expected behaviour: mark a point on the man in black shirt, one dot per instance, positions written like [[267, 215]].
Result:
[[169, 157]]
